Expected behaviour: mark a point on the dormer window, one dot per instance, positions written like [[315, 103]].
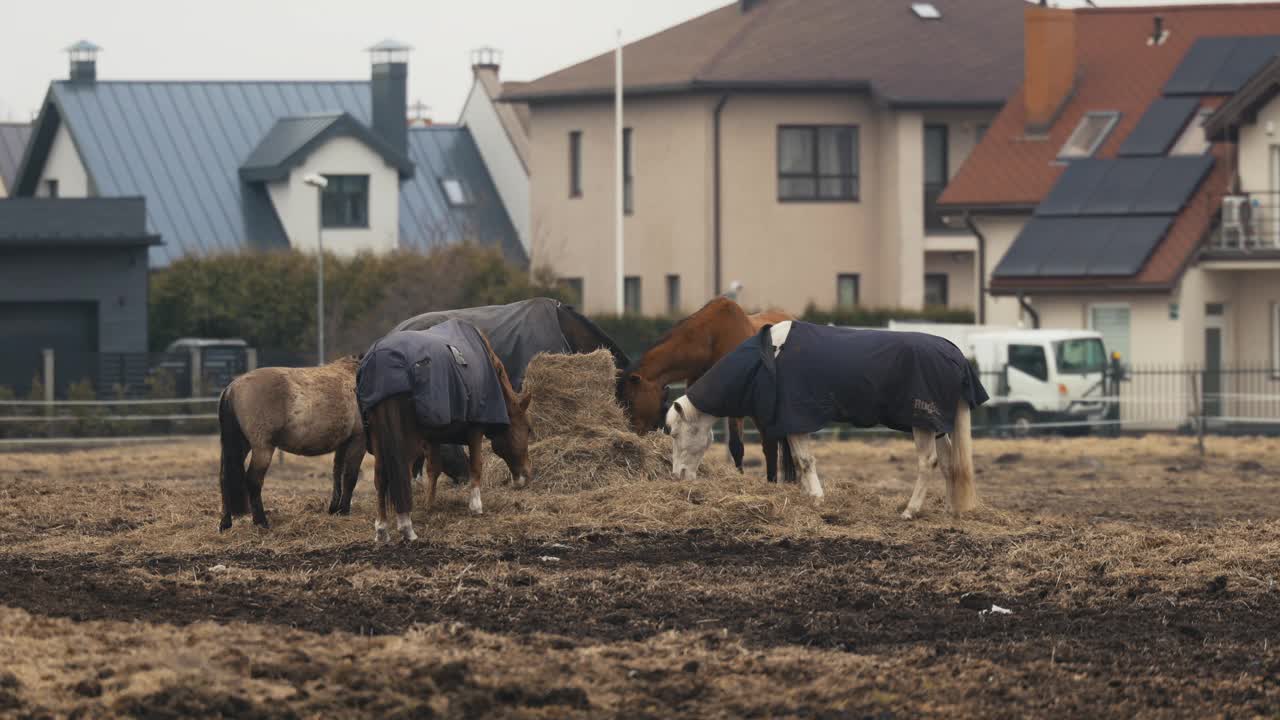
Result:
[[1192, 140], [926, 11], [455, 192], [1088, 136], [344, 202]]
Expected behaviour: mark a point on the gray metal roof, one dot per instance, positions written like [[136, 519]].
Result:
[[13, 140], [291, 139], [180, 145], [75, 221]]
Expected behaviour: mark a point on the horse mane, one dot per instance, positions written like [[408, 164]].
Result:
[[620, 359], [678, 327], [508, 391]]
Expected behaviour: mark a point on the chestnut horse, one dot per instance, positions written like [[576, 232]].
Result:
[[686, 352], [305, 411], [397, 439]]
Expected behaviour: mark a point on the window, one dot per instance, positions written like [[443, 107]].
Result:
[[1192, 140], [575, 163], [847, 290], [926, 11], [1089, 134], [673, 295], [455, 192], [1112, 321], [51, 188], [628, 165], [573, 288], [1030, 360], [1080, 357], [631, 294], [818, 163], [979, 132], [935, 155], [344, 202], [935, 289]]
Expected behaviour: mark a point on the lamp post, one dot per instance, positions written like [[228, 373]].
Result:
[[319, 182]]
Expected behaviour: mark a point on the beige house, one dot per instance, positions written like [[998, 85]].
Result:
[[1107, 202], [788, 151]]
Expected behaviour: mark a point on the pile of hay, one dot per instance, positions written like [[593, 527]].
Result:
[[581, 435]]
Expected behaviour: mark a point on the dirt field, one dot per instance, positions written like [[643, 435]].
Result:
[[1141, 580]]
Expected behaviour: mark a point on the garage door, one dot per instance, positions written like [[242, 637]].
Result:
[[69, 328]]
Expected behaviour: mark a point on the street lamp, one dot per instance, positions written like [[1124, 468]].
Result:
[[319, 182]]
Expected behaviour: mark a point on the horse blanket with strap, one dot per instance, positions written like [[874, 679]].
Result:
[[517, 331], [825, 374], [447, 371]]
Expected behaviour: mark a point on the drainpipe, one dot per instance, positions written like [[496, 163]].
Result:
[[1026, 307], [982, 267], [715, 181]]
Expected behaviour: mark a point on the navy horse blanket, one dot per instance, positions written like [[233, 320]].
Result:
[[825, 374], [517, 331], [447, 371]]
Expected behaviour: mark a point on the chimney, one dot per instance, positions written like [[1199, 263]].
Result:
[[389, 93], [486, 58], [84, 61], [1050, 66]]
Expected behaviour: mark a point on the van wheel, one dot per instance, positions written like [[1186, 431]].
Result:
[[1023, 422]]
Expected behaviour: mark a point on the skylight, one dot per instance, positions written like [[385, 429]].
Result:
[[455, 191], [1089, 134], [926, 11]]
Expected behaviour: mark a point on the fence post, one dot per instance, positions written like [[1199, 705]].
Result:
[[250, 359], [1200, 411], [47, 354], [196, 373]]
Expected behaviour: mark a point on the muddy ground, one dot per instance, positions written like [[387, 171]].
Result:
[[1141, 580]]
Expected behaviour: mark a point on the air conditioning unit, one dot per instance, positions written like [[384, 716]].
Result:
[[1234, 221]]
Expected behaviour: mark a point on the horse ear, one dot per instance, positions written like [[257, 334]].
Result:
[[633, 378], [679, 409], [524, 399]]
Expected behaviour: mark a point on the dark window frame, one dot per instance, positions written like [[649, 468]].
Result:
[[855, 176], [673, 295], [933, 220], [628, 179], [857, 290], [628, 308], [575, 163], [946, 289], [336, 210], [51, 187]]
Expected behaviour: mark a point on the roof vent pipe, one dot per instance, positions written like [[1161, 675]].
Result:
[[1158, 33], [84, 61]]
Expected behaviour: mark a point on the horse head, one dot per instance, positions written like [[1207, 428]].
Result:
[[513, 445], [690, 431], [644, 401]]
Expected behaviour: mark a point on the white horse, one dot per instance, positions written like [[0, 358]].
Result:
[[690, 431]]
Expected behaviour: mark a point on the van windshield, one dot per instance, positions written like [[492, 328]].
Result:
[[1080, 357]]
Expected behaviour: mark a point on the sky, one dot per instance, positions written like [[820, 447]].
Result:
[[325, 39]]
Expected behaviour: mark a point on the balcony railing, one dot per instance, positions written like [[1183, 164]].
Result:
[[1246, 223]]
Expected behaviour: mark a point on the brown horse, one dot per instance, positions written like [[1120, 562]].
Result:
[[305, 411], [397, 439], [686, 352]]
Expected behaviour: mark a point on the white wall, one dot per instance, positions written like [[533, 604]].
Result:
[[64, 165], [298, 203], [1255, 150], [499, 155], [1000, 231]]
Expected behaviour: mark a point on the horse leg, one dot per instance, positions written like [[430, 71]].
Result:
[[736, 449], [926, 461], [379, 484], [258, 464], [944, 449], [417, 468], [788, 464], [808, 466], [770, 447], [354, 457], [474, 449], [434, 468], [339, 465]]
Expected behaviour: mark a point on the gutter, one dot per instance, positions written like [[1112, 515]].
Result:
[[715, 182], [982, 267], [1026, 307]]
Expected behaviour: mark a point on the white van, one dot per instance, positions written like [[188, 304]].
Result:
[[1051, 375]]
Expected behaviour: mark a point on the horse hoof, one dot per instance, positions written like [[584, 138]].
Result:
[[381, 536], [224, 525], [477, 507], [410, 536], [908, 515]]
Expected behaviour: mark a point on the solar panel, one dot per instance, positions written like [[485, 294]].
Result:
[[1172, 185], [1159, 126], [1250, 54], [1070, 194], [1195, 73], [1075, 243], [1131, 243], [1125, 181], [1025, 254]]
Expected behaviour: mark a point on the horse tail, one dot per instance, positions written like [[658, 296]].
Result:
[[390, 422], [964, 495], [235, 445]]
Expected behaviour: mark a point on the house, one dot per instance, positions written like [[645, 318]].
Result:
[[13, 140], [1104, 202], [73, 279], [221, 165], [501, 134], [788, 150]]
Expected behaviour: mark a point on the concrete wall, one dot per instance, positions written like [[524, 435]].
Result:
[[1000, 231], [786, 254], [298, 203], [1154, 338], [114, 278], [65, 166], [1254, 153], [499, 155]]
